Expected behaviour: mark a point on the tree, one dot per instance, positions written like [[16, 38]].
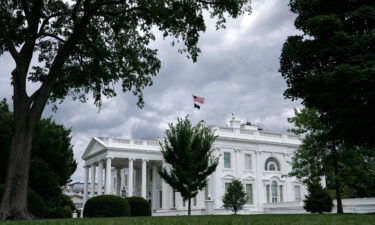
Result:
[[318, 200], [318, 153], [321, 155], [87, 46], [235, 196], [187, 150], [52, 159], [331, 65]]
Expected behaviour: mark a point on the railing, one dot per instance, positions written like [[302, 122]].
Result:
[[121, 141], [270, 134], [226, 129], [248, 132], [295, 137]]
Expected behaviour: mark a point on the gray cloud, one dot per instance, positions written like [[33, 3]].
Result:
[[237, 72]]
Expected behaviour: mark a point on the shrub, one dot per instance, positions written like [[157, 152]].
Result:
[[60, 212], [35, 202], [318, 200], [106, 206], [235, 196], [139, 206]]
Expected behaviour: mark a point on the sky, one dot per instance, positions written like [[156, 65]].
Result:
[[237, 72]]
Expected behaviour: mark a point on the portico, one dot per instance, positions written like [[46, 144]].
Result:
[[129, 172]]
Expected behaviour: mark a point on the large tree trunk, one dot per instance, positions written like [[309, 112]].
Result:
[[337, 182], [189, 207], [14, 200]]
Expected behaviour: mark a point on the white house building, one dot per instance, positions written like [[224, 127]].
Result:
[[258, 158]]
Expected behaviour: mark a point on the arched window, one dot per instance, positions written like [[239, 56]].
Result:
[[272, 164]]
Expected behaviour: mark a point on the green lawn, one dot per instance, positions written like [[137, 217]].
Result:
[[346, 219]]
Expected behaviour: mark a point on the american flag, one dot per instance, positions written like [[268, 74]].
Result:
[[198, 99]]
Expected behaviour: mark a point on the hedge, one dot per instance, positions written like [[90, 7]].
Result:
[[106, 206], [36, 204], [139, 206]]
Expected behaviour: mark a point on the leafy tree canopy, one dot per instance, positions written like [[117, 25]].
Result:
[[318, 200], [235, 196], [331, 66], [188, 151], [314, 158], [87, 46], [52, 159]]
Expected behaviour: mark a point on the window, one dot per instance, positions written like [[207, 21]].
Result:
[[274, 191], [206, 193], [297, 193], [226, 185], [268, 193], [174, 199], [195, 201], [248, 161], [161, 199], [183, 203], [281, 193], [272, 164], [226, 159], [249, 194]]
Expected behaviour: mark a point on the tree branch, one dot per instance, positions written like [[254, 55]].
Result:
[[208, 2], [117, 12], [75, 10], [26, 10], [52, 36], [46, 20], [9, 43]]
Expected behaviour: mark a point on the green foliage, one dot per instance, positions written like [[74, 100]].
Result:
[[187, 149], [314, 158], [235, 196], [106, 206], [139, 206], [60, 212], [35, 203], [318, 200], [331, 66], [100, 43], [52, 158]]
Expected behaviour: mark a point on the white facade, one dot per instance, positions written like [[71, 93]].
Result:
[[258, 158]]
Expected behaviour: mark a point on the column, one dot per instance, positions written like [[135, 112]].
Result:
[[143, 190], [108, 176], [118, 182], [100, 178], [164, 189], [86, 185], [93, 170], [130, 178], [154, 194]]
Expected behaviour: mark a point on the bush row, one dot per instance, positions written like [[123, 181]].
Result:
[[38, 208], [115, 206]]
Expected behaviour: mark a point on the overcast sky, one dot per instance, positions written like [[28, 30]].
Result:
[[237, 72]]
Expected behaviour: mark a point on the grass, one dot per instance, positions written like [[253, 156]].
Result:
[[308, 219]]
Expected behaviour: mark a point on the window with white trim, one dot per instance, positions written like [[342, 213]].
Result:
[[274, 191], [272, 164], [227, 160], [248, 161], [297, 193], [249, 194]]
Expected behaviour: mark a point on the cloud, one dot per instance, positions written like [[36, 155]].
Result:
[[237, 72]]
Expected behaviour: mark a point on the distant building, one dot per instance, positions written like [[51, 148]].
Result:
[[256, 157]]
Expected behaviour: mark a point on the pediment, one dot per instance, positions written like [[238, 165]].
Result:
[[94, 146], [228, 177]]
